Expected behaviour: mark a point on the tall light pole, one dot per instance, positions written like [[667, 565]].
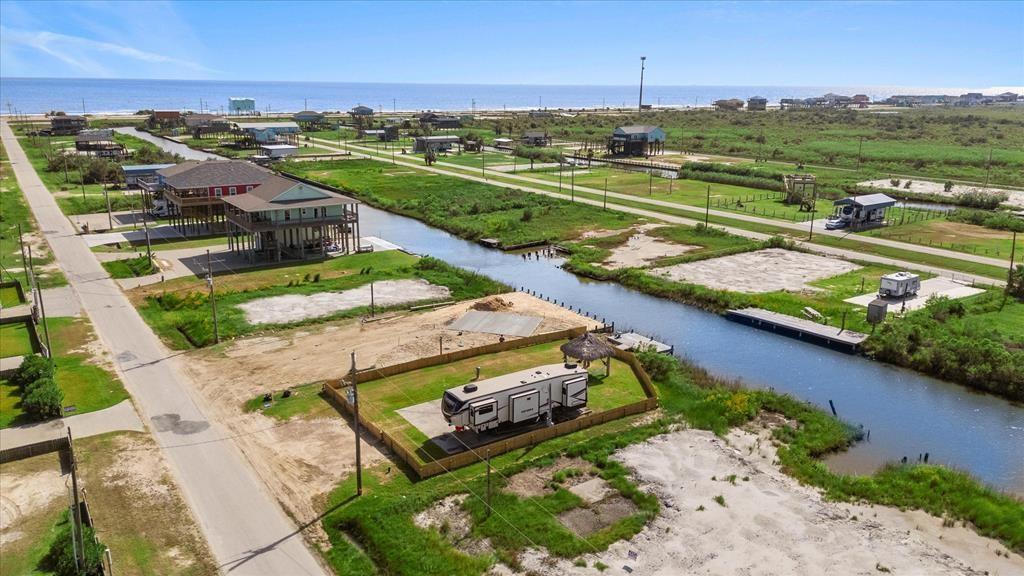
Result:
[[640, 104]]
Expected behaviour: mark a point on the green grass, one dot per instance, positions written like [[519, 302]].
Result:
[[87, 386], [305, 401], [389, 542], [950, 235], [469, 209], [9, 297], [130, 267], [179, 310], [380, 399], [15, 339]]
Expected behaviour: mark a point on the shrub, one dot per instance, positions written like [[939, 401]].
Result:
[[976, 198], [60, 559], [32, 369], [43, 400]]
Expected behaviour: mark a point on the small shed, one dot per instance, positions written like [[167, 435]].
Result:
[[436, 143], [535, 138], [587, 348], [278, 151], [865, 210]]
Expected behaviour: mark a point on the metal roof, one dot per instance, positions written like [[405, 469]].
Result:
[[145, 167], [439, 138], [195, 174], [636, 129], [266, 125], [263, 197], [279, 146], [867, 201]]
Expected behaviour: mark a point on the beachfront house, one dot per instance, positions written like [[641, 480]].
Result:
[[861, 100], [194, 191], [435, 143], [133, 174], [65, 125], [100, 143], [310, 119], [202, 125], [637, 141], [241, 106], [439, 122], [863, 211], [361, 111], [535, 138], [757, 104], [286, 218], [252, 134], [165, 119]]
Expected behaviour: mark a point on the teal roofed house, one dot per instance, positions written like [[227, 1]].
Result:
[[286, 218], [637, 141], [252, 134]]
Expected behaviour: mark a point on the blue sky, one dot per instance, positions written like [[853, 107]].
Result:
[[939, 44]]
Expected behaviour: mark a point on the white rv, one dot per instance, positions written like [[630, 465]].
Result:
[[520, 397], [899, 285]]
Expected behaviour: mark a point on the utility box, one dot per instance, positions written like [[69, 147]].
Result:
[[899, 285], [877, 310]]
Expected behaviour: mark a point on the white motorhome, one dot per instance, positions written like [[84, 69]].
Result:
[[520, 397], [899, 285]]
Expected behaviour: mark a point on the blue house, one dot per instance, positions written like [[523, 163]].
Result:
[[132, 174], [250, 134], [637, 141]]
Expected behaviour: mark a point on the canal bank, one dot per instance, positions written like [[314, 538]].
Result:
[[906, 413]]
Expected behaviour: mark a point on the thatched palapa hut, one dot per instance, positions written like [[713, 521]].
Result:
[[589, 347]]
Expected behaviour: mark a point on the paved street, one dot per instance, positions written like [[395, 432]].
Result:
[[247, 531]]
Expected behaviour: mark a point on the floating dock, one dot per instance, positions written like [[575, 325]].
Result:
[[831, 336], [631, 341]]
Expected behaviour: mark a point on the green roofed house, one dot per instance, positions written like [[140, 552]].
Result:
[[284, 217]]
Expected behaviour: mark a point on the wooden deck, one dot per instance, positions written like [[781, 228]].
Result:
[[800, 328]]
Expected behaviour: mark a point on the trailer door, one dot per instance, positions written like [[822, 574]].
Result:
[[574, 392], [483, 412], [524, 406]]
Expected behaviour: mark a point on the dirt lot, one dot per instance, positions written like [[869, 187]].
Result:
[[769, 524], [642, 249], [295, 307], [760, 271], [302, 459], [1016, 197]]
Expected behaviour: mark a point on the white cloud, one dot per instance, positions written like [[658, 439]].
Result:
[[85, 55]]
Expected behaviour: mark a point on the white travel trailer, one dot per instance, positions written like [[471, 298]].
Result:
[[899, 285], [520, 397]]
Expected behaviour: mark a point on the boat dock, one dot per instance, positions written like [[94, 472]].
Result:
[[831, 336], [631, 342]]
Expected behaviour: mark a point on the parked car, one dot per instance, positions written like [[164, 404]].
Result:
[[835, 223]]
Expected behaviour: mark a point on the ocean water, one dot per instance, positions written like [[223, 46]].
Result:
[[78, 95]]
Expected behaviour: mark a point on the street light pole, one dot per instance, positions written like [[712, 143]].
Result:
[[640, 104]]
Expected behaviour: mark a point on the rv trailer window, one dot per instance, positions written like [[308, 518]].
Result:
[[485, 409], [451, 404]]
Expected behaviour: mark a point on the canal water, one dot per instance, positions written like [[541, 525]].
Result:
[[170, 145], [907, 413]]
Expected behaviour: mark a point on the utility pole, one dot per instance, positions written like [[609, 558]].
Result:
[[78, 507], [488, 482], [988, 167], [814, 208], [707, 207], [860, 155], [110, 217], [640, 104], [24, 259], [650, 182], [213, 297], [149, 245], [572, 182], [39, 297], [1009, 275], [355, 420]]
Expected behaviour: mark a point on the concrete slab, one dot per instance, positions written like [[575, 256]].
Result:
[[427, 418], [503, 323], [593, 490], [118, 417], [155, 232], [378, 244], [10, 364], [760, 271], [937, 286], [99, 221]]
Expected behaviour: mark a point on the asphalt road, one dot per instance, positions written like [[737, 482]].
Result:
[[246, 529]]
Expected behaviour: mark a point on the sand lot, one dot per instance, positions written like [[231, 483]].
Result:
[[769, 523], [760, 271], [304, 458], [295, 307], [642, 249], [1016, 197]]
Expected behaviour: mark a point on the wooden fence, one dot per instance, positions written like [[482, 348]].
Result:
[[424, 469]]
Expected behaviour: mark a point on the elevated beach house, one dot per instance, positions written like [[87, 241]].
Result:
[[284, 218], [253, 134], [757, 103], [67, 125], [310, 119], [101, 143], [194, 191], [537, 138], [637, 141], [436, 143]]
